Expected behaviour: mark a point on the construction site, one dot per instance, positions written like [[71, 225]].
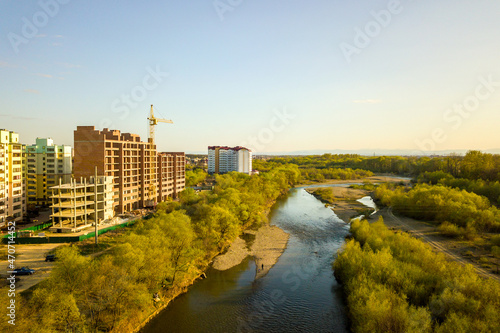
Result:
[[118, 175]]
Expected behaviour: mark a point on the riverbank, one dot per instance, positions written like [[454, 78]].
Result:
[[270, 242], [343, 200], [373, 179]]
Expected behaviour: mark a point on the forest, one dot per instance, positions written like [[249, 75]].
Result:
[[396, 283], [113, 292], [473, 165]]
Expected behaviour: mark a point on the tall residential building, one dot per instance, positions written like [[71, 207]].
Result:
[[171, 175], [222, 159], [131, 162], [12, 182], [48, 165]]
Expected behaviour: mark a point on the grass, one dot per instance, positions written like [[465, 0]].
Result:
[[104, 241]]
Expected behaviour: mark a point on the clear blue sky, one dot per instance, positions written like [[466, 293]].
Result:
[[228, 77]]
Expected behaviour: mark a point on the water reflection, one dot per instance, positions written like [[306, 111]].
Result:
[[299, 294]]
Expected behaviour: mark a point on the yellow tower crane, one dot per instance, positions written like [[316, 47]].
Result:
[[153, 121]]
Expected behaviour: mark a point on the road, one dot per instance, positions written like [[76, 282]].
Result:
[[32, 256], [410, 225]]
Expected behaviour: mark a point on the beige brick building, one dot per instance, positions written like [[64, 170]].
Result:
[[171, 175], [141, 177]]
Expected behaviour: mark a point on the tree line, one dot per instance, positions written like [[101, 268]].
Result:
[[114, 291], [473, 165], [396, 283], [441, 204], [488, 189]]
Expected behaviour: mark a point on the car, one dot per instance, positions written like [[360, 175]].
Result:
[[50, 257], [24, 271]]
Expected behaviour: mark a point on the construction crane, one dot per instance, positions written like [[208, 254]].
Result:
[[153, 121]]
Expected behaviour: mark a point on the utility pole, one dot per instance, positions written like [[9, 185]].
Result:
[[95, 203]]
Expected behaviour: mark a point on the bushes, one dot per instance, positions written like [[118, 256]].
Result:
[[330, 173], [488, 189], [451, 230], [440, 203], [395, 283]]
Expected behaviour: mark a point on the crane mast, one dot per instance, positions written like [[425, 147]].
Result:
[[153, 121]]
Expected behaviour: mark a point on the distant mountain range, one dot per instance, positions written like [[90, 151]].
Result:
[[369, 152]]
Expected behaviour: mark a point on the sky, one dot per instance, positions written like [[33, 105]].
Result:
[[274, 75]]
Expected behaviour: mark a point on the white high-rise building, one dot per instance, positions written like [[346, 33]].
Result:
[[222, 159]]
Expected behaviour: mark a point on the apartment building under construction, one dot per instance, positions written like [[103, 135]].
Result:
[[78, 204], [141, 176]]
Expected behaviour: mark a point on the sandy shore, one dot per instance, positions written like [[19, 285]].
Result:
[[269, 244], [235, 255], [344, 201]]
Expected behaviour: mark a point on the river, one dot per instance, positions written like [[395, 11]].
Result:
[[299, 294]]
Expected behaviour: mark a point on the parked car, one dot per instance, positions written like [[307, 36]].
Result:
[[50, 257], [24, 271]]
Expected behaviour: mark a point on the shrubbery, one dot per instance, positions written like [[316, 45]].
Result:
[[488, 189], [440, 203], [395, 283], [343, 174]]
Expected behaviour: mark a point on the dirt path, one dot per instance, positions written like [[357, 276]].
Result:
[[427, 233], [32, 256]]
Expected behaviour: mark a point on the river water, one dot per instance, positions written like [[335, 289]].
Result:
[[299, 294]]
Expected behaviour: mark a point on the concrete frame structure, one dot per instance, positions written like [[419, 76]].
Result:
[[138, 181], [12, 177], [47, 166], [222, 159], [76, 206]]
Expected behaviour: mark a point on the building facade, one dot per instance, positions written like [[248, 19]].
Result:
[[132, 164], [222, 159], [77, 205], [171, 175], [12, 177], [47, 165]]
